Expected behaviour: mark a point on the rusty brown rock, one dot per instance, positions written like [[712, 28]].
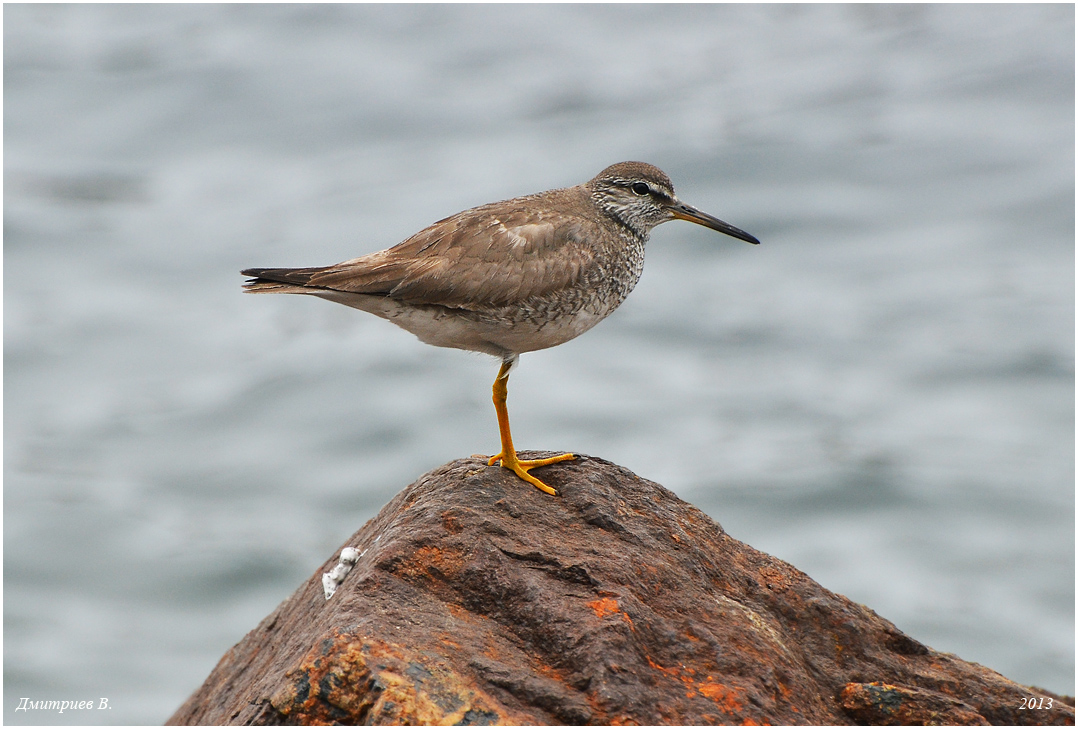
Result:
[[881, 704], [479, 600]]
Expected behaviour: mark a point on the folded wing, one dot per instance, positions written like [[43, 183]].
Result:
[[472, 260]]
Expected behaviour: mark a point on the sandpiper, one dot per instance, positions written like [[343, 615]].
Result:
[[509, 277]]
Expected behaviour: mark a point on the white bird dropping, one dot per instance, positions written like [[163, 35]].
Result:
[[332, 580]]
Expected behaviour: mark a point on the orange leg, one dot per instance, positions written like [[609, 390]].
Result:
[[508, 456]]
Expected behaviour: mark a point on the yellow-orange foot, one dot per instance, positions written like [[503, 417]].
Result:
[[521, 468]]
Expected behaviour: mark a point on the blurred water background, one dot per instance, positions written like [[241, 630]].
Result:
[[881, 394]]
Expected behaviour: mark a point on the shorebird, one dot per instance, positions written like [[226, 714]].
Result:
[[509, 277]]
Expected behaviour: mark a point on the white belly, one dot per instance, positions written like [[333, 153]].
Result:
[[508, 332]]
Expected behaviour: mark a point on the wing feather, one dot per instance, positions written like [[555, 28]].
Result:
[[490, 256]]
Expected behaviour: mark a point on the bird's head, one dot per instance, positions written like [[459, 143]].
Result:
[[641, 196]]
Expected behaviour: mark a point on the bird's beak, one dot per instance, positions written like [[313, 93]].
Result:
[[687, 212]]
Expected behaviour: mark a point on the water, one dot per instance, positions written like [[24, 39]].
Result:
[[881, 394]]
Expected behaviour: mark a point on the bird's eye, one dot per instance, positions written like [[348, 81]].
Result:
[[640, 188]]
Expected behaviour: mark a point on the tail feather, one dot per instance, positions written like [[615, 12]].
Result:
[[312, 280], [280, 280], [294, 276], [262, 286]]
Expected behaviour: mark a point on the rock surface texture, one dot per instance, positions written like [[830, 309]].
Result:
[[476, 599]]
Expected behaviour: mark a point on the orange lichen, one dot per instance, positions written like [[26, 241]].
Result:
[[668, 671], [604, 606], [725, 697], [609, 606]]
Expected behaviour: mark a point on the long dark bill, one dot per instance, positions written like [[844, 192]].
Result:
[[688, 212]]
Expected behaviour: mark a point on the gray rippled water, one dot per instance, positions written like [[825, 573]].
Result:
[[881, 394]]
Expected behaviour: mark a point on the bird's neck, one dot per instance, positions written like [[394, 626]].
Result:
[[638, 229]]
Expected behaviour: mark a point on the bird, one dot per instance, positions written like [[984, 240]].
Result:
[[509, 277]]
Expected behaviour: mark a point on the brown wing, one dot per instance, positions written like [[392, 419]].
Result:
[[489, 256]]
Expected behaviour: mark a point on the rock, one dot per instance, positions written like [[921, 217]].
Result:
[[476, 599]]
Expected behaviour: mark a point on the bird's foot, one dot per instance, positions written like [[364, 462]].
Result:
[[521, 468]]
